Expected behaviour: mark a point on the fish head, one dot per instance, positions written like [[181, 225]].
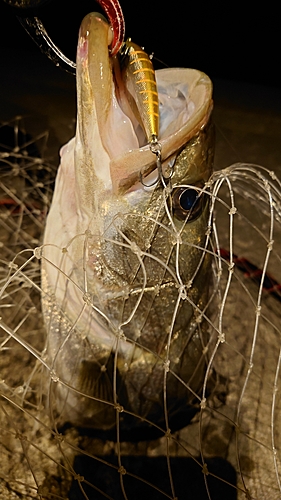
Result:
[[110, 157]]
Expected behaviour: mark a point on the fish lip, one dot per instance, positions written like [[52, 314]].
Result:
[[103, 130]]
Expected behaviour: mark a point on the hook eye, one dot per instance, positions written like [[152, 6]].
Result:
[[188, 203]]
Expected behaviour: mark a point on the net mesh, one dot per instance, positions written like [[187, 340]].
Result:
[[230, 447]]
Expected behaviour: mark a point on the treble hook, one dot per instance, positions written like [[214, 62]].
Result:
[[37, 32], [156, 148]]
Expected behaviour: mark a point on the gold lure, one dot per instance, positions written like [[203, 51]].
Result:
[[141, 87]]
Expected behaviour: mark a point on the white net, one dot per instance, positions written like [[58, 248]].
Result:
[[222, 438]]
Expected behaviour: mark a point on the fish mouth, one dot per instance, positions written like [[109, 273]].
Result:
[[107, 135]]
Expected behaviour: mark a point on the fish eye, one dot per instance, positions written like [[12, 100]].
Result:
[[188, 203]]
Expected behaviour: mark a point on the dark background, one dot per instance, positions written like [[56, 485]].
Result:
[[229, 40], [237, 45]]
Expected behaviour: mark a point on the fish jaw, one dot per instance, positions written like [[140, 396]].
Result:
[[102, 127]]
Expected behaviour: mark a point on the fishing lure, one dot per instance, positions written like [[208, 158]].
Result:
[[140, 82], [139, 79]]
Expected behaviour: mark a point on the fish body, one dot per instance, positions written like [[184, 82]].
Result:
[[125, 274]]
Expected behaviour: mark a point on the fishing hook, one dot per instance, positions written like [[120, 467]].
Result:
[[156, 148], [34, 27]]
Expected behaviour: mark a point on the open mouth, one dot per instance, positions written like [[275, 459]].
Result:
[[107, 128]]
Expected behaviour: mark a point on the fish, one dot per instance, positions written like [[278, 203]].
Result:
[[125, 265]]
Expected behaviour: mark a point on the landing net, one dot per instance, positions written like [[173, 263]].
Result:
[[231, 448]]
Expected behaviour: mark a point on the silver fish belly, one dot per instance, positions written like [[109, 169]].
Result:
[[125, 268]]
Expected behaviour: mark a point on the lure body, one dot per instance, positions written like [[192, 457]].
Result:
[[139, 78]]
